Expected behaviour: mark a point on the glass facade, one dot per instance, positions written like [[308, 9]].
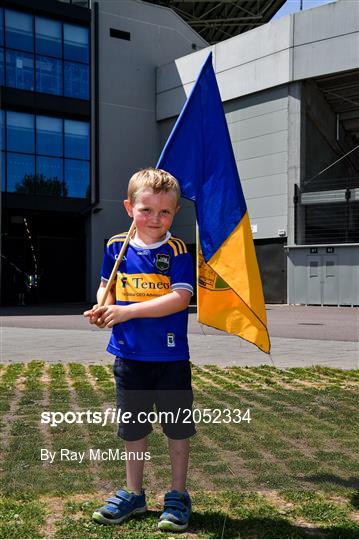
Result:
[[19, 31], [49, 136], [20, 70], [20, 132], [2, 158], [76, 82], [48, 36], [1, 27], [77, 140], [81, 3], [42, 155], [76, 46], [44, 55], [2, 62], [2, 130], [2, 67], [76, 173], [2, 146], [20, 172], [49, 175], [49, 75]]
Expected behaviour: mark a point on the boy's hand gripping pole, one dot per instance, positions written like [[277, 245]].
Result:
[[116, 265]]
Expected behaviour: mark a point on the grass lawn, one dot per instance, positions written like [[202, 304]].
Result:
[[291, 472]]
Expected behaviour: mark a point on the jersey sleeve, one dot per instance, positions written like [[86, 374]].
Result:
[[182, 273], [112, 250], [107, 263]]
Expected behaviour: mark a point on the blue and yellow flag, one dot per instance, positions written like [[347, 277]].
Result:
[[199, 154]]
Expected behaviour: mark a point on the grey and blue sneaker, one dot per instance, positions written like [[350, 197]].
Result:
[[176, 512], [123, 505]]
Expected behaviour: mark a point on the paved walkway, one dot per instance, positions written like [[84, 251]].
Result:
[[301, 336]]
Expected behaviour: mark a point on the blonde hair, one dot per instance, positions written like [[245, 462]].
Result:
[[156, 179]]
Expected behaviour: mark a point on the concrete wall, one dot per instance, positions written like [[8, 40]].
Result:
[[128, 132], [303, 45], [326, 40], [261, 78], [259, 74], [258, 126]]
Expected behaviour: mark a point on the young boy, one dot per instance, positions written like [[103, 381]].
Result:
[[147, 311]]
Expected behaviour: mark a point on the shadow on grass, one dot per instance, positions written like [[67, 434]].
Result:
[[76, 522], [351, 483], [340, 531], [206, 524], [354, 500], [280, 528], [219, 525]]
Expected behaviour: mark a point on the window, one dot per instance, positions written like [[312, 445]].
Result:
[[60, 49], [2, 67], [2, 130], [49, 176], [19, 30], [48, 37], [76, 43], [49, 136], [20, 173], [42, 164], [76, 82], [48, 75], [20, 70], [120, 34], [77, 178], [1, 26], [20, 132], [3, 177], [2, 146], [77, 139], [81, 3]]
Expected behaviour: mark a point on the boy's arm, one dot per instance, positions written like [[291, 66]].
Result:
[[173, 302], [111, 299], [177, 300]]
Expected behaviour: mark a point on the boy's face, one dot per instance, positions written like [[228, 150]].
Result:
[[153, 214]]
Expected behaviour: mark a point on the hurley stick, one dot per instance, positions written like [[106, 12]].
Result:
[[116, 265]]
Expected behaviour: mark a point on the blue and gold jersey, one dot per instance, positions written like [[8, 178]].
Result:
[[148, 272]]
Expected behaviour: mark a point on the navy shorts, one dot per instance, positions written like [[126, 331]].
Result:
[[141, 385]]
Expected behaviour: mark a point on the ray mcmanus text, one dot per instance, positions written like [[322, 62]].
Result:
[[92, 454]]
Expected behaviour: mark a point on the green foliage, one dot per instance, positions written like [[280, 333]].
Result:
[[39, 184]]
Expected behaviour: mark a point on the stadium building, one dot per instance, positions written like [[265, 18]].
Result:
[[90, 93]]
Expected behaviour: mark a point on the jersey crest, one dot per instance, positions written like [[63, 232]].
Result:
[[162, 261]]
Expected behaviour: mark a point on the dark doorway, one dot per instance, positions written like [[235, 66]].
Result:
[[43, 258], [272, 262]]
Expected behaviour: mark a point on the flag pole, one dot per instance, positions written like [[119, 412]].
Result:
[[116, 265]]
